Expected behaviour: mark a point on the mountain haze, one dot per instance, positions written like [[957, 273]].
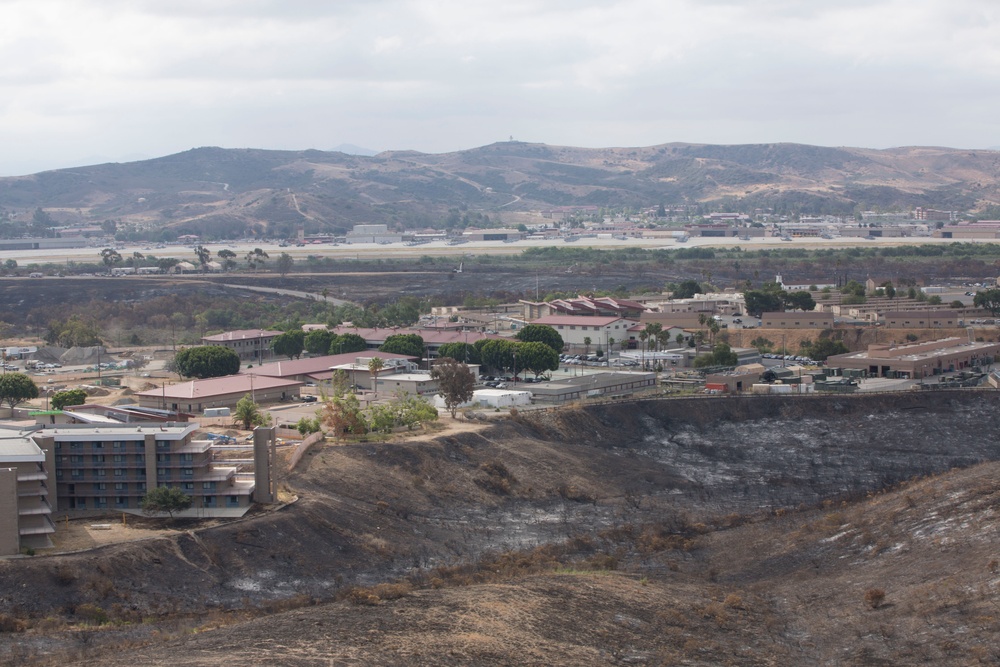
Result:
[[227, 192]]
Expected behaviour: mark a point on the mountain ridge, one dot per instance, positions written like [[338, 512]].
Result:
[[220, 191]]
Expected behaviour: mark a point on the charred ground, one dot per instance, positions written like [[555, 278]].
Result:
[[740, 530]]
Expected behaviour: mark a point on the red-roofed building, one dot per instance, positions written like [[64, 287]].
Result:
[[250, 344], [313, 369], [433, 338], [198, 395], [584, 306]]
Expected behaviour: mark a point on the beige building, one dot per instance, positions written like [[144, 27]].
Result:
[[575, 328], [918, 360], [797, 319], [921, 319], [26, 495], [111, 467], [225, 392], [250, 344]]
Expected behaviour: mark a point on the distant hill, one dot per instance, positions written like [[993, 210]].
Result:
[[230, 192], [351, 149]]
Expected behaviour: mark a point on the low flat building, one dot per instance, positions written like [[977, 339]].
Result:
[[417, 384], [433, 338], [224, 392], [593, 385], [921, 319], [919, 360], [250, 344], [797, 319]]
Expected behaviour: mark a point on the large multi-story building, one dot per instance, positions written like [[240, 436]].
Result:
[[26, 494], [112, 467]]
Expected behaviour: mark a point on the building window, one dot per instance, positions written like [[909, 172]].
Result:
[[100, 503], [76, 445], [100, 487], [58, 446], [121, 501], [163, 458], [59, 474], [118, 458], [208, 501], [76, 474], [187, 457], [98, 458], [141, 486], [119, 472], [188, 472], [101, 472], [163, 444], [98, 445], [121, 486], [208, 486], [188, 486], [232, 501], [118, 444]]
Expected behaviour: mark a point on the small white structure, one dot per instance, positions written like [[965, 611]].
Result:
[[492, 398]]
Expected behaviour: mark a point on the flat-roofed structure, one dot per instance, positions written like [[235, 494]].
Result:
[[918, 360], [223, 392], [105, 467], [592, 385], [797, 319], [26, 495], [921, 319], [250, 344]]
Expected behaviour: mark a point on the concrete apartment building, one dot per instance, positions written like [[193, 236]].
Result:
[[919, 360], [26, 495], [111, 467], [250, 344]]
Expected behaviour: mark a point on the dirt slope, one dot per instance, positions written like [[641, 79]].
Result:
[[660, 488]]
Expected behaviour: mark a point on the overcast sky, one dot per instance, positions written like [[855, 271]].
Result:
[[116, 80]]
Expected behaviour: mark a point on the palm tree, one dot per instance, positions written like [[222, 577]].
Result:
[[586, 345], [375, 364]]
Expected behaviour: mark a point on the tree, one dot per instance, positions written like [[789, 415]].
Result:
[[342, 415], [541, 333], [290, 343], [536, 358], [769, 298], [455, 382], [284, 264], [348, 342], [800, 300], [410, 345], [934, 300], [318, 341], [248, 413], [204, 255], [586, 345], [306, 426], [721, 355], [256, 257], [136, 258], [687, 290], [167, 499], [463, 352], [16, 388], [111, 257], [166, 264], [61, 399], [498, 354], [228, 258], [207, 361]]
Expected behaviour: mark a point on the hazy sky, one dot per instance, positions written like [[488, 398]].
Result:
[[115, 80]]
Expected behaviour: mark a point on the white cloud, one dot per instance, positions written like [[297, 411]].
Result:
[[125, 76]]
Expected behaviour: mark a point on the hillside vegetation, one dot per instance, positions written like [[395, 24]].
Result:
[[231, 192]]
